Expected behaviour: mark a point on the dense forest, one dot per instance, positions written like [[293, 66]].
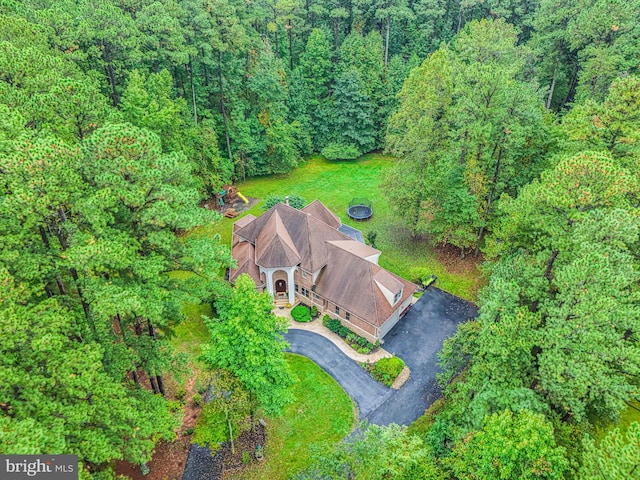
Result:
[[515, 125]]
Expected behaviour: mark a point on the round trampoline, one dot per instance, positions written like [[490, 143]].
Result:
[[360, 209]]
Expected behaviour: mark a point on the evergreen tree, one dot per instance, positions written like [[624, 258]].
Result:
[[510, 446], [69, 402]]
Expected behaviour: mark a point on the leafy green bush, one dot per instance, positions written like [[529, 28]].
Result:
[[355, 341], [385, 370], [301, 313], [332, 324], [314, 311], [295, 201], [338, 151]]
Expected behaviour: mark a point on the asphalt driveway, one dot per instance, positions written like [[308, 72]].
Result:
[[366, 392], [416, 339]]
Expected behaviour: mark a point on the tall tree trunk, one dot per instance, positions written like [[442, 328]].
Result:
[[386, 44], [222, 107], [61, 289], [336, 33], [553, 84], [64, 244], [193, 92], [572, 87], [160, 383], [134, 372], [290, 35], [111, 75], [463, 151], [275, 23], [205, 71], [154, 385], [547, 274], [496, 172]]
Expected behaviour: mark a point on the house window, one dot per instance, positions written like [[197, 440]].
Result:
[[316, 296], [304, 291], [304, 274], [296, 287], [397, 297], [337, 310], [347, 316]]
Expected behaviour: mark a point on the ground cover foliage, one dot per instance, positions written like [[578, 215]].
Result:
[[514, 130]]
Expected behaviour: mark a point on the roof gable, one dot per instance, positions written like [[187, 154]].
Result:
[[320, 212], [274, 246]]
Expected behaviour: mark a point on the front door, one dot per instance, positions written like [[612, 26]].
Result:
[[281, 286]]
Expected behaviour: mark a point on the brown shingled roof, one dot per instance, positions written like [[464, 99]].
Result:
[[284, 236], [360, 249], [349, 281], [244, 254], [274, 247], [388, 281], [319, 211], [307, 233]]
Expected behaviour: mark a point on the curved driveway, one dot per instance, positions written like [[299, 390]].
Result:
[[366, 392], [416, 339]]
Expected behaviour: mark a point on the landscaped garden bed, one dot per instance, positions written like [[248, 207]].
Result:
[[385, 370], [355, 341]]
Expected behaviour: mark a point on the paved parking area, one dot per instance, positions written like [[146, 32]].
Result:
[[416, 339]]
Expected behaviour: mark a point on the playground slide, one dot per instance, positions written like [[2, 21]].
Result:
[[244, 199]]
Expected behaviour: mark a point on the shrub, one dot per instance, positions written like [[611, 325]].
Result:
[[196, 399], [332, 324], [295, 201], [314, 311], [301, 313], [339, 151], [386, 370], [355, 341], [181, 393]]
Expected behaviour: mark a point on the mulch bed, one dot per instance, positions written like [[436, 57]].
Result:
[[450, 257], [169, 458], [238, 205], [247, 442]]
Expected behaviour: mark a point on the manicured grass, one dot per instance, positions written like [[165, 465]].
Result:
[[321, 414], [192, 333], [335, 183]]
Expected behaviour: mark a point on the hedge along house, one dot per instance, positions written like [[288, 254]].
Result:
[[305, 256]]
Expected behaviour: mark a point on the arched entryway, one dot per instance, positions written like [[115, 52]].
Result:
[[281, 286]]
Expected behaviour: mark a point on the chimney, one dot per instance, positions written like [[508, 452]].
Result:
[[286, 200]]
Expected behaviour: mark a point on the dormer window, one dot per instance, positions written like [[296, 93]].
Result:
[[397, 297]]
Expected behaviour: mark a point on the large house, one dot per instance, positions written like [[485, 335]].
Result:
[[308, 256]]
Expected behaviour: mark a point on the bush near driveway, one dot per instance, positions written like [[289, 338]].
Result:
[[301, 313], [355, 341], [385, 370]]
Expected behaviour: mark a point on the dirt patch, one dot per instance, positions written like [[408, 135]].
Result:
[[245, 448], [237, 205], [169, 458], [451, 258]]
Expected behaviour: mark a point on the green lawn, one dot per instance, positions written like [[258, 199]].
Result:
[[335, 183], [321, 414], [191, 333]]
